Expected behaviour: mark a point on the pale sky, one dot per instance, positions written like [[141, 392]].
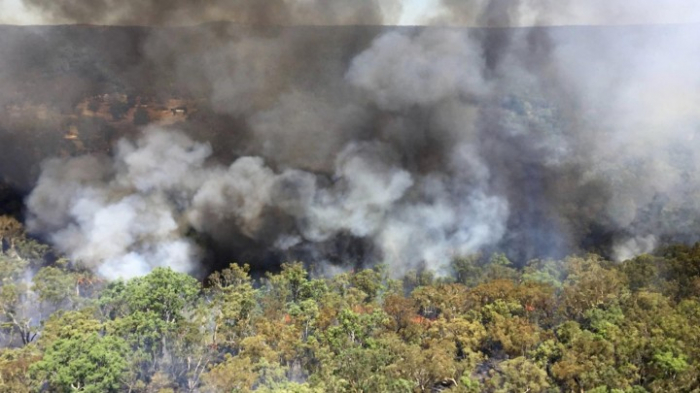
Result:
[[568, 12]]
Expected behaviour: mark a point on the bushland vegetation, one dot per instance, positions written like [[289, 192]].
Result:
[[580, 324]]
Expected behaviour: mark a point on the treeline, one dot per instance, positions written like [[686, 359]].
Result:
[[581, 324]]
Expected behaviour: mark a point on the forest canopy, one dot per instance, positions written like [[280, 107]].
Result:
[[577, 324]]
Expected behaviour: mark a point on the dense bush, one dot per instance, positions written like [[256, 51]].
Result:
[[578, 324]]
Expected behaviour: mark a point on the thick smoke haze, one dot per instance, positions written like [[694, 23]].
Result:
[[523, 13], [361, 145], [249, 12]]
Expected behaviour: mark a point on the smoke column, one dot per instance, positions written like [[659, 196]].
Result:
[[408, 146]]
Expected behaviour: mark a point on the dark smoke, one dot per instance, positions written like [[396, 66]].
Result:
[[353, 145], [248, 12]]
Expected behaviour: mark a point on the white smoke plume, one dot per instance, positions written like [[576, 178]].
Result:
[[121, 215], [126, 215], [631, 248]]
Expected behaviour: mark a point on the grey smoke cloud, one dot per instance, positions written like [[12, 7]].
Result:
[[417, 144], [456, 12], [636, 105], [249, 12], [399, 71]]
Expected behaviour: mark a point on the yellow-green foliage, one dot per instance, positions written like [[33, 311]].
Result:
[[578, 324]]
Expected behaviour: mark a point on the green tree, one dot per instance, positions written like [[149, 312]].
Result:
[[232, 301], [14, 368], [151, 314], [519, 375], [55, 287], [87, 363], [589, 284]]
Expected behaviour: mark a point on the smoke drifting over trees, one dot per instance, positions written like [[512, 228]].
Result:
[[357, 145]]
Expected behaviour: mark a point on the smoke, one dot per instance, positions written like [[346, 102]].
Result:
[[399, 71], [526, 13], [634, 246], [120, 216], [125, 215], [249, 12], [359, 145]]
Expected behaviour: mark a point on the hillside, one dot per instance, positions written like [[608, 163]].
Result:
[[473, 210]]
